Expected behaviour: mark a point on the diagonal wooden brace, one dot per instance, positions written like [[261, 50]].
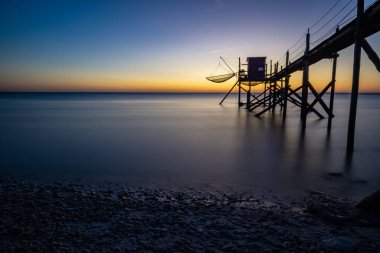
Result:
[[259, 103], [371, 54], [319, 98], [228, 93], [252, 96], [309, 108], [321, 94], [292, 92], [294, 101]]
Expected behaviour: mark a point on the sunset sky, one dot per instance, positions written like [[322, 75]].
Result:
[[164, 46]]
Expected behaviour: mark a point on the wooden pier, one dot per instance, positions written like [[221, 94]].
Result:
[[279, 92]]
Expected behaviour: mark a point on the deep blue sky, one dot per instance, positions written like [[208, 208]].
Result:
[[146, 45]]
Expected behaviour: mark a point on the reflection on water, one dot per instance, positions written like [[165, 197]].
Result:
[[183, 140]]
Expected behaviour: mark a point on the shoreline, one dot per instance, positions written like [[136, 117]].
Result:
[[72, 217]]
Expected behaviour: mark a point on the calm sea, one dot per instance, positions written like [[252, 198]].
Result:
[[177, 140]]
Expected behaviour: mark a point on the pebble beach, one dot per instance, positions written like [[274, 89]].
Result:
[[107, 217]]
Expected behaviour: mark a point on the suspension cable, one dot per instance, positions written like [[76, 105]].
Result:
[[319, 20], [331, 19]]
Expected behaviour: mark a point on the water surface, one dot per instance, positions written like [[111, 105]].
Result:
[[185, 140]]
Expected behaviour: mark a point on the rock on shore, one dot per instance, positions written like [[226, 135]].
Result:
[[73, 217]]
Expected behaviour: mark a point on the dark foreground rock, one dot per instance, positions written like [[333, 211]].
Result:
[[371, 203], [70, 217]]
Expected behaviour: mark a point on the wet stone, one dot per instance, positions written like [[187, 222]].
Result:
[[75, 217], [339, 243]]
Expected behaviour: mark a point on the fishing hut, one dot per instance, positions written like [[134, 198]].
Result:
[[278, 91], [251, 73]]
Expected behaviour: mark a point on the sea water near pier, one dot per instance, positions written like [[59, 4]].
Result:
[[182, 140]]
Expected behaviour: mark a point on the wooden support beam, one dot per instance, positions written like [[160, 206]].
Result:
[[305, 81], [307, 104], [265, 83], [281, 89], [239, 95], [282, 80], [244, 89], [274, 100], [371, 54], [254, 98], [277, 102], [270, 83], [320, 100], [355, 78], [292, 92], [258, 104], [249, 95], [294, 101], [322, 93], [332, 91], [286, 85], [228, 93], [259, 101], [257, 97]]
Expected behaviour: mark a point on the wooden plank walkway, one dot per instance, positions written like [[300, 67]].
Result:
[[342, 39]]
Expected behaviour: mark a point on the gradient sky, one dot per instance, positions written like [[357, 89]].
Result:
[[157, 45]]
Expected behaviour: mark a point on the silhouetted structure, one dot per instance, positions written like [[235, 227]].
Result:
[[277, 88]]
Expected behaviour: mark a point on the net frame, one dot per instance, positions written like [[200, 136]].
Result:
[[220, 78]]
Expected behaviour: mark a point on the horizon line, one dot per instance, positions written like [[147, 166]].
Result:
[[140, 92]]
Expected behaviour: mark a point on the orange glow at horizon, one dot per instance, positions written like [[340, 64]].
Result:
[[186, 78], [343, 84]]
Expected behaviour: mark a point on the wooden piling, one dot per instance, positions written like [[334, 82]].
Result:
[[305, 81], [332, 89], [249, 95], [355, 78], [274, 100], [239, 94], [282, 79], [270, 84], [281, 93], [286, 86], [265, 83]]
